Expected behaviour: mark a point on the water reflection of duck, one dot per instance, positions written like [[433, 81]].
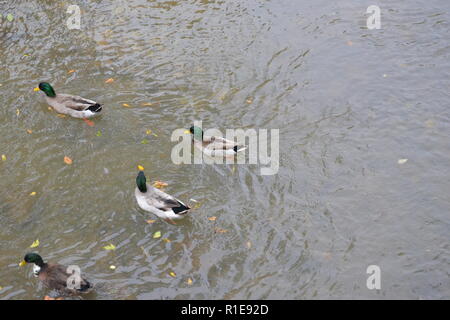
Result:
[[74, 106]]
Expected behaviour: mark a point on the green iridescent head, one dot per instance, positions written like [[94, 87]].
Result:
[[141, 182], [48, 89], [197, 132]]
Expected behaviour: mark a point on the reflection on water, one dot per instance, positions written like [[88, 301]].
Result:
[[349, 102]]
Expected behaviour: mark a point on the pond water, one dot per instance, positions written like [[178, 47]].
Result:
[[349, 103]]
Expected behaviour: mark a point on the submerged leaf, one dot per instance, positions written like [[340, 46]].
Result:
[[166, 240], [219, 230], [212, 218], [88, 122], [189, 281], [99, 133], [35, 244], [150, 221], [144, 141]]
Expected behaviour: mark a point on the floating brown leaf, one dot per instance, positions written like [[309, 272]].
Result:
[[67, 160], [160, 184]]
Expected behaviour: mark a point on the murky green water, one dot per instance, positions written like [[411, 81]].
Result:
[[349, 103]]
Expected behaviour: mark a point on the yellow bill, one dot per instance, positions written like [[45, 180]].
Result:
[[22, 263], [36, 89], [187, 131]]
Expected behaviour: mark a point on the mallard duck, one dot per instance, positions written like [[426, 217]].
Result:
[[74, 106], [158, 202], [214, 146], [54, 276]]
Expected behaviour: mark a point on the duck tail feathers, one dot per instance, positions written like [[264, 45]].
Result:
[[182, 209], [95, 108], [239, 148]]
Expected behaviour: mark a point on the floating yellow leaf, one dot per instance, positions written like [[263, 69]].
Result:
[[35, 244], [126, 105], [212, 218], [33, 193], [110, 80], [151, 221], [189, 281], [110, 247], [71, 71], [166, 240], [160, 184], [61, 115], [17, 112], [67, 160], [140, 168], [3, 157], [172, 274], [146, 104], [148, 131], [157, 235]]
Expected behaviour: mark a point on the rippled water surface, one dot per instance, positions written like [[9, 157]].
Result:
[[349, 103]]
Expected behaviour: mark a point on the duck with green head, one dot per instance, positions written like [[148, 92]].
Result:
[[54, 276], [68, 104], [161, 204], [214, 146]]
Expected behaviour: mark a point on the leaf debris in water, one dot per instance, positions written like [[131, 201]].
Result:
[[67, 160], [110, 247], [157, 235], [35, 244]]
